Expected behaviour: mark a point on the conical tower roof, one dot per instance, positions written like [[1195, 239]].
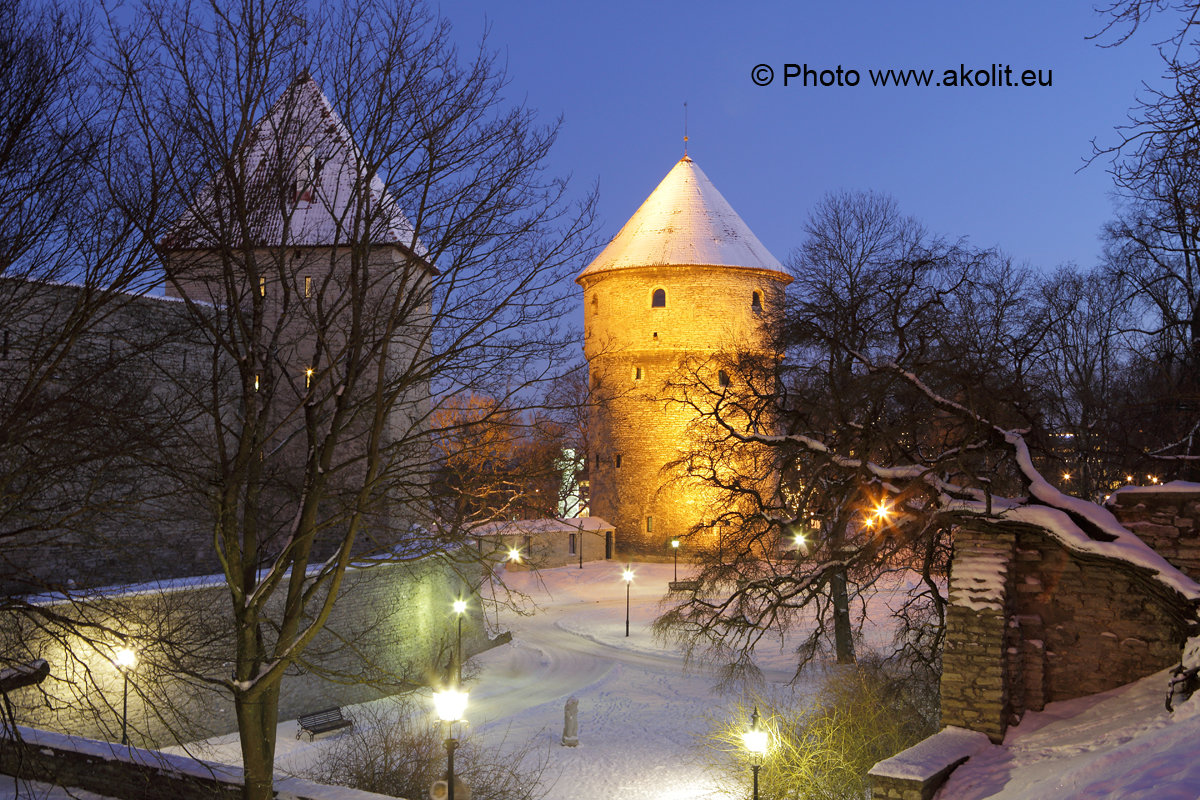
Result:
[[685, 221]]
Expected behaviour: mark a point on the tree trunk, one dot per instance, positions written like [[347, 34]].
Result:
[[843, 637], [257, 720]]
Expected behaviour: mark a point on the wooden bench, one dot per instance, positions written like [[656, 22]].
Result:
[[330, 719]]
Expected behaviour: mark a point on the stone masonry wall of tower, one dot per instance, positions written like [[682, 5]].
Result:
[[682, 282], [708, 310]]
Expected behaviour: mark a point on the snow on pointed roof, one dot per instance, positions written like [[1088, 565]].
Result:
[[304, 176], [685, 221]]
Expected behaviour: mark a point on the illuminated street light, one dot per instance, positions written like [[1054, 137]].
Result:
[[514, 555], [675, 547], [1066, 476], [450, 705], [627, 576], [126, 661], [755, 740], [800, 543], [459, 607]]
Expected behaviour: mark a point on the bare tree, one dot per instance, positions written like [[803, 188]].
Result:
[[793, 445], [359, 225]]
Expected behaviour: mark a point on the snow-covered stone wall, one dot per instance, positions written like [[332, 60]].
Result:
[[132, 773], [1031, 622], [1165, 517]]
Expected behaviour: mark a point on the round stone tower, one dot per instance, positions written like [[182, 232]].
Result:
[[683, 281]]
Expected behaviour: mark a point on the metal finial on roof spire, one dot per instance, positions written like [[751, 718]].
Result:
[[685, 128]]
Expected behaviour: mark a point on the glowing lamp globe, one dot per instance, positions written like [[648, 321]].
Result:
[[460, 606], [755, 739], [450, 704], [514, 555], [126, 658], [675, 543], [627, 576]]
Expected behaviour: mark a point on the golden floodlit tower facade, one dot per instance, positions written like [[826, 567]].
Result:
[[682, 282]]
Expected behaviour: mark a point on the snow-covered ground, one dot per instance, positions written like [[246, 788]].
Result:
[[1119, 745], [641, 711]]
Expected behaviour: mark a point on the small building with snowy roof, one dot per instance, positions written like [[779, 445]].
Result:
[[546, 543]]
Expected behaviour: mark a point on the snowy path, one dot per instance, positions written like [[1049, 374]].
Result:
[[641, 712]]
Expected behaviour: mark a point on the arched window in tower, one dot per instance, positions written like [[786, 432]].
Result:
[[756, 302], [722, 378], [659, 299]]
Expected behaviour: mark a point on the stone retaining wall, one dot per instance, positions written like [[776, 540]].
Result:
[[1031, 622], [392, 627], [130, 773]]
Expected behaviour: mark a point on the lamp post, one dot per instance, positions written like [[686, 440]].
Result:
[[755, 740], [126, 661], [627, 576], [459, 607], [450, 705], [675, 547]]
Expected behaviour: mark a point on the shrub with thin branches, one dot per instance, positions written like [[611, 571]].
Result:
[[395, 748], [823, 749]]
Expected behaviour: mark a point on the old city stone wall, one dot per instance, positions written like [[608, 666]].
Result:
[[633, 349], [392, 628], [99, 501], [1031, 622], [1165, 517]]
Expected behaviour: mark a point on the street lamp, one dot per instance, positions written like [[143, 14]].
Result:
[[514, 555], [800, 542], [675, 547], [459, 607], [126, 661], [627, 576], [755, 740], [450, 705]]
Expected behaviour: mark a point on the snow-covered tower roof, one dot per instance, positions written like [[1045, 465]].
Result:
[[684, 221], [305, 177]]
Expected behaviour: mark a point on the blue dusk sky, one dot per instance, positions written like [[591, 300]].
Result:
[[1003, 166]]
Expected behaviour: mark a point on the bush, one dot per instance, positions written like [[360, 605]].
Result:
[[395, 748], [822, 750]]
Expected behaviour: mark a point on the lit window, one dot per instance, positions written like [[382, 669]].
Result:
[[722, 378], [262, 286], [308, 373], [256, 383], [649, 524], [659, 299], [756, 301], [308, 286]]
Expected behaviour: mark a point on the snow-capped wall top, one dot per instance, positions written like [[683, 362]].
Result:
[[307, 183], [1171, 487], [685, 221]]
